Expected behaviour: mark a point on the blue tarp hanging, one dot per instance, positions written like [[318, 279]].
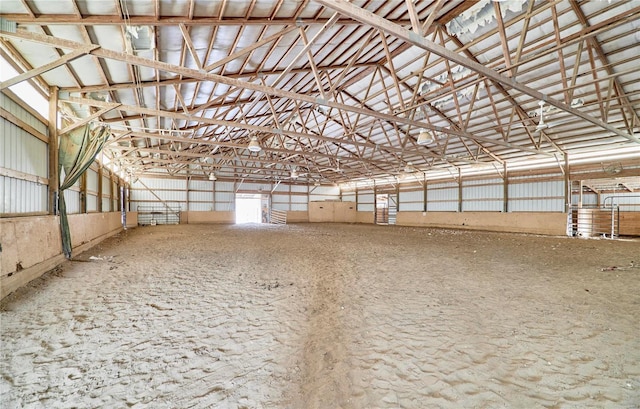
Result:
[[78, 149]]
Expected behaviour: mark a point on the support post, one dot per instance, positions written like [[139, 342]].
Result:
[[187, 194], [83, 193], [459, 190], [424, 193], [580, 195], [567, 184], [111, 192], [54, 177], [99, 204], [375, 203], [505, 193]]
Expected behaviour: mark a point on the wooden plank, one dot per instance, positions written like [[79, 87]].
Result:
[[49, 66], [23, 125], [23, 176]]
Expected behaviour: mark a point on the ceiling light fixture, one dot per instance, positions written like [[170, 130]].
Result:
[[254, 145], [425, 137], [212, 176], [409, 168], [294, 174]]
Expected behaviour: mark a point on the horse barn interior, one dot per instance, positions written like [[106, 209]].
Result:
[[319, 204]]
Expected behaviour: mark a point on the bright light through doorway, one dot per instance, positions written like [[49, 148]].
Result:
[[248, 208]]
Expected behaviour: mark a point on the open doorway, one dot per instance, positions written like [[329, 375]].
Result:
[[382, 209], [252, 208]]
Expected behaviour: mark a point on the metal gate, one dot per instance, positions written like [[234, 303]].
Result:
[[152, 215], [595, 222]]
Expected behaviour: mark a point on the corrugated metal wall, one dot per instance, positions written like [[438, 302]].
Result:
[[224, 196], [536, 196], [72, 198], [349, 196], [366, 200], [322, 193], [411, 201], [483, 195], [626, 200], [92, 190], [206, 195], [24, 169], [24, 158], [201, 197], [442, 196], [147, 192]]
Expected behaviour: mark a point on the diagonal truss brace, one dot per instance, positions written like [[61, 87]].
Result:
[[204, 76], [366, 17]]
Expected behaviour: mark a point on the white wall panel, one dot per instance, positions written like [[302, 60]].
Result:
[[299, 199], [281, 188], [172, 195], [92, 180], [325, 190], [142, 195], [200, 196], [105, 186], [411, 201], [22, 114], [224, 186], [365, 207], [366, 201], [224, 201], [92, 203], [25, 196], [625, 200], [439, 193], [411, 207], [366, 198], [540, 196], [488, 191], [442, 206], [201, 207], [322, 198], [22, 151], [25, 153], [482, 205], [483, 195], [320, 193], [105, 205], [536, 205], [156, 183], [349, 197], [254, 187], [72, 201], [201, 185], [299, 207]]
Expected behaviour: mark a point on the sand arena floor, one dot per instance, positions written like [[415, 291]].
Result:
[[327, 316]]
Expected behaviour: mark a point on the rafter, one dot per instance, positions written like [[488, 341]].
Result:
[[369, 18], [132, 59]]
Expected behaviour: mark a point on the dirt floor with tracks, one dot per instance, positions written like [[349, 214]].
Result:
[[328, 316]]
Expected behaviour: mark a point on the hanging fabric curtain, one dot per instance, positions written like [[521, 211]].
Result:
[[78, 149]]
